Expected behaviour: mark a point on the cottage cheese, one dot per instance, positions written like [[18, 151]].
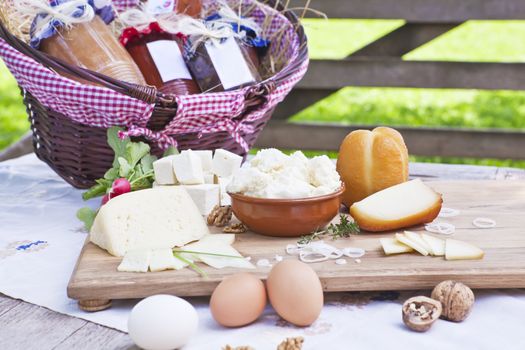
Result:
[[273, 174]]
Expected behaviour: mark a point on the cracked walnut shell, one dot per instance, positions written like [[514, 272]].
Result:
[[220, 216], [419, 313], [456, 299], [291, 344]]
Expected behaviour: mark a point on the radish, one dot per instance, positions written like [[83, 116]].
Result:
[[105, 199], [120, 186]]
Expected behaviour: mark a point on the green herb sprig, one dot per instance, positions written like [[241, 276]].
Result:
[[344, 229]]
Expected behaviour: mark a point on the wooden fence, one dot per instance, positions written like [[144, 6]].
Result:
[[379, 64]]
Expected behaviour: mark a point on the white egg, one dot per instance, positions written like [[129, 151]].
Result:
[[162, 322]]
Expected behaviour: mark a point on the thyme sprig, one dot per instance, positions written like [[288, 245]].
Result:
[[343, 229]]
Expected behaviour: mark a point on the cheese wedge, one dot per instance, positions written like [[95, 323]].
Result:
[[217, 262], [205, 197], [135, 261], [404, 205], [437, 245], [416, 246], [459, 250], [393, 246], [415, 237], [162, 217], [224, 238], [163, 259]]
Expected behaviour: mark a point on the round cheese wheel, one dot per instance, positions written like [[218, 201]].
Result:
[[370, 161]]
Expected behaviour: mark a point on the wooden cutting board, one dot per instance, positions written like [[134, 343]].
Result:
[[95, 280]]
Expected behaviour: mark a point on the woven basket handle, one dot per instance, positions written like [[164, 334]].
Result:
[[145, 93]]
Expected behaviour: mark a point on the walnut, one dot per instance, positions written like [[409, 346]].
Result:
[[419, 313], [456, 299], [229, 347], [220, 216], [235, 228], [291, 344]]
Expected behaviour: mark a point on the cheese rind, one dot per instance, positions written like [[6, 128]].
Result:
[[135, 261], [225, 163], [163, 169], [163, 259], [204, 196], [188, 168], [162, 217]]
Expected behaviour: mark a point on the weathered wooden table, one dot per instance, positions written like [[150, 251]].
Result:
[[27, 326]]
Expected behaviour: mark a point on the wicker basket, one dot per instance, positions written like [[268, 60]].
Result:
[[79, 152]]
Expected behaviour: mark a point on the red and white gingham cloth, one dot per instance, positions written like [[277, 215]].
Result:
[[201, 114]]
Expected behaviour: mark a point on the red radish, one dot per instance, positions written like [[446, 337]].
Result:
[[105, 199], [120, 186]]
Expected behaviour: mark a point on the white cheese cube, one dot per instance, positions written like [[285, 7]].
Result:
[[163, 259], [135, 261], [225, 197], [204, 196], [188, 168], [163, 169], [206, 159], [225, 163], [162, 217], [209, 178]]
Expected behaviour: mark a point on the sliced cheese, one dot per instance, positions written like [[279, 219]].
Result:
[[163, 259], [204, 196], [417, 247], [162, 217], [135, 261], [459, 250], [217, 262], [188, 168], [392, 246], [163, 169], [225, 238], [225, 163], [437, 245], [415, 237]]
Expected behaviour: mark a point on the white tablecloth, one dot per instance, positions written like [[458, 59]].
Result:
[[40, 239]]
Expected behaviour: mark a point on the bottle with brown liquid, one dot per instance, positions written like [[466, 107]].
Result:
[[158, 55], [92, 45]]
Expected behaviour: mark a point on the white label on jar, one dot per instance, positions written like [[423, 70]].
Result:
[[156, 7], [229, 63], [168, 59]]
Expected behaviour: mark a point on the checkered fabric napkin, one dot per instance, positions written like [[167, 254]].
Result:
[[201, 114]]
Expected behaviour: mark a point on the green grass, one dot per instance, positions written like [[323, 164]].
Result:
[[492, 41], [13, 119]]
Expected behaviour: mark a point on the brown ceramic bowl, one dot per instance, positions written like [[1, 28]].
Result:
[[286, 217]]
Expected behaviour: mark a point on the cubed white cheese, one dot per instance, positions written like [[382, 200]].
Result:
[[188, 168], [209, 178], [163, 259], [135, 261], [204, 196], [225, 197], [163, 169], [206, 159], [225, 163], [162, 217]]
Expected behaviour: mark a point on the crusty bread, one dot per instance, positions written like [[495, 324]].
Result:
[[370, 161]]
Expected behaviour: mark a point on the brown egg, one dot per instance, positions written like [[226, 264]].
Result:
[[238, 300], [295, 292]]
